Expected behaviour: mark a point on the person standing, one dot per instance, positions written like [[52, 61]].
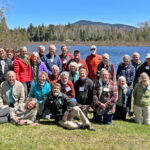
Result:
[[65, 57], [92, 62], [22, 68]]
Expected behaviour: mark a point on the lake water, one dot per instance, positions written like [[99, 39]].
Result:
[[115, 52]]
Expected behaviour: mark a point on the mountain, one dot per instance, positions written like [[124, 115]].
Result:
[[86, 22]]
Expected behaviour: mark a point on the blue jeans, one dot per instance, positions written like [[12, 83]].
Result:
[[105, 118]]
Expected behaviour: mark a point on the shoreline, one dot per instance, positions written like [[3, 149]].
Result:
[[78, 43]]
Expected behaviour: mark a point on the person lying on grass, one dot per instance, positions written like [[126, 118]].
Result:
[[26, 113], [63, 110]]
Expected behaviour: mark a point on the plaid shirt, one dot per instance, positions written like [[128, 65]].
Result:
[[109, 97]]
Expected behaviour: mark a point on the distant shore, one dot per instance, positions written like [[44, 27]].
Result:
[[76, 43]]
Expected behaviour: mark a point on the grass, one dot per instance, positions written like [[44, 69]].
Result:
[[118, 136]]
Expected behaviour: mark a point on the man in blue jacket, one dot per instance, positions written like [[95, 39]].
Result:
[[52, 59]]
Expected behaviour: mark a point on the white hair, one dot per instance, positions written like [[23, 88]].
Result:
[[23, 47], [55, 66], [42, 46], [106, 55], [144, 74], [136, 53], [37, 55], [126, 56], [64, 73]]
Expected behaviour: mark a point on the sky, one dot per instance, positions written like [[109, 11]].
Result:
[[23, 12]]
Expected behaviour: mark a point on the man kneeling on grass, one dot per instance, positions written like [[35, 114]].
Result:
[[64, 110]]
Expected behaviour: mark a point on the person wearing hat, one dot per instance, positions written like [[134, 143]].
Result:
[[81, 63], [145, 67], [65, 57], [92, 62]]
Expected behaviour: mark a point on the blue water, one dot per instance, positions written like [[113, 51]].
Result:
[[115, 52]]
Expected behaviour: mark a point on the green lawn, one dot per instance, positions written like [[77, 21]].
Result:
[[118, 136]]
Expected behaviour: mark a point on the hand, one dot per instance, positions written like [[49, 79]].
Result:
[[64, 118], [34, 124], [103, 106], [22, 121], [79, 105], [85, 107], [15, 120]]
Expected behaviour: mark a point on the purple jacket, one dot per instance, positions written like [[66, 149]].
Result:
[[41, 67]]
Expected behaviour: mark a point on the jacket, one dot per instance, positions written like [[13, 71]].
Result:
[[41, 67], [52, 79], [23, 113], [64, 61], [17, 94], [109, 68], [141, 95], [108, 97], [40, 92], [68, 89], [22, 70], [128, 72], [143, 68], [92, 62], [84, 91], [49, 64], [81, 64], [8, 66], [59, 106], [124, 94]]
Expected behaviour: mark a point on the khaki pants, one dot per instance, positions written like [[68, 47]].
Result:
[[76, 112], [142, 115]]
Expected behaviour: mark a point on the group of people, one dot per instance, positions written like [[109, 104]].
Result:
[[65, 87]]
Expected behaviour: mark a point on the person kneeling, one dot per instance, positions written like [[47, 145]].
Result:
[[26, 113], [64, 110]]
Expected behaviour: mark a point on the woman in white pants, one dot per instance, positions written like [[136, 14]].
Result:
[[141, 96]]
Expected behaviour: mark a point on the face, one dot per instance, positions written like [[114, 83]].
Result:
[[52, 50], [105, 60], [23, 53], [42, 79], [34, 59], [144, 80], [93, 51], [55, 71], [64, 50], [77, 55], [105, 76], [136, 58], [2, 53], [126, 61], [11, 78], [56, 90], [121, 82], [148, 61], [31, 104], [41, 50], [64, 79], [73, 68], [82, 75], [9, 55]]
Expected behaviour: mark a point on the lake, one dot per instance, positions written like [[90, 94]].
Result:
[[115, 52]]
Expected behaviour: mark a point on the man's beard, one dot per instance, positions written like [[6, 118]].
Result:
[[55, 94]]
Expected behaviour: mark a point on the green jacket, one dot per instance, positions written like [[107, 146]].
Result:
[[59, 106], [141, 96]]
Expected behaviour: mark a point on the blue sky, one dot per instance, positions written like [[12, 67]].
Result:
[[37, 12]]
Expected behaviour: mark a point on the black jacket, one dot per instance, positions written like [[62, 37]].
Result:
[[84, 91]]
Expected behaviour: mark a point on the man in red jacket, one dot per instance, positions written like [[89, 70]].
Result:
[[65, 57], [81, 63], [92, 62], [22, 68]]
